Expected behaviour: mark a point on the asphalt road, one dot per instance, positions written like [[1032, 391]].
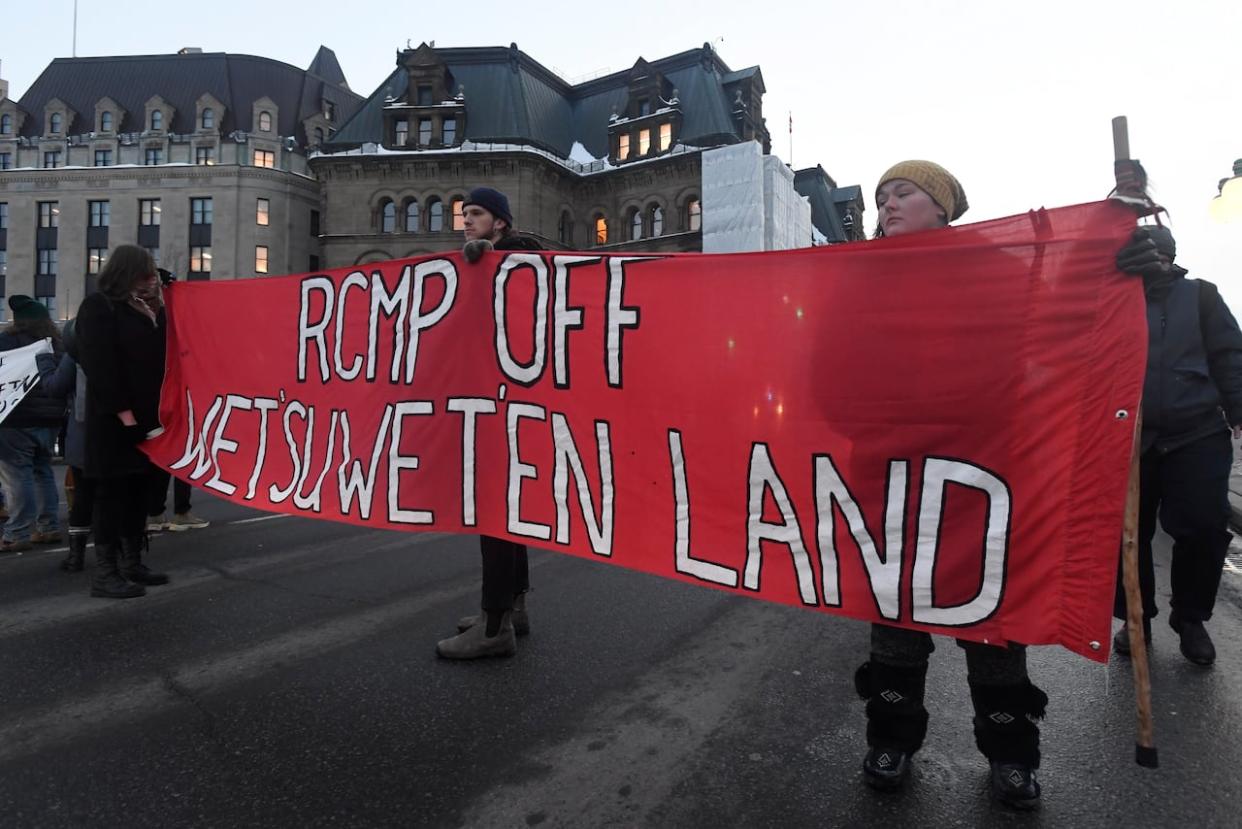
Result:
[[287, 677]]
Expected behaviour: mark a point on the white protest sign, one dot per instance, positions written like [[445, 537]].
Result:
[[18, 374]]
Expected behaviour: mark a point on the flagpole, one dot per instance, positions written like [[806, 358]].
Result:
[[791, 164], [75, 28], [1131, 187]]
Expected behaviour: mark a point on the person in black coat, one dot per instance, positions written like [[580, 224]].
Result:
[[506, 574], [120, 333], [1192, 395], [29, 432]]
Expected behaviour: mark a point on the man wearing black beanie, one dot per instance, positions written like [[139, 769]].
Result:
[[506, 577], [1192, 395]]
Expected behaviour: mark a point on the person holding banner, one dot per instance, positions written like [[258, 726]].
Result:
[[120, 333], [28, 433], [506, 575], [1191, 397]]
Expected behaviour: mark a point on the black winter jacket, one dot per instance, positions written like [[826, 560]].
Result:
[[42, 405], [122, 355], [1193, 386]]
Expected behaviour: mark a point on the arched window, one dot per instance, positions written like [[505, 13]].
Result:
[[265, 121], [601, 229], [388, 217], [411, 216], [6, 124], [657, 219], [209, 118], [565, 229], [157, 119], [105, 121], [435, 215], [459, 217], [635, 223], [694, 214], [57, 122]]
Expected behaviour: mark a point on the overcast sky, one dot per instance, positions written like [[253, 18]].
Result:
[[1014, 98]]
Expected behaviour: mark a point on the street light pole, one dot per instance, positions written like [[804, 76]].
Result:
[[1227, 206]]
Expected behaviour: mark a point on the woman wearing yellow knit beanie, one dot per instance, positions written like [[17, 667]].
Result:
[[915, 196]]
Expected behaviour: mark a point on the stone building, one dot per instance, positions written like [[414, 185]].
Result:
[[614, 163], [201, 158]]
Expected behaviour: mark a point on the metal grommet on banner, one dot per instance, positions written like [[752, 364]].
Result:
[[1095, 646], [1121, 414]]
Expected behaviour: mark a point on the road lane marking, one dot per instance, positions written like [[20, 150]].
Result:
[[261, 518]]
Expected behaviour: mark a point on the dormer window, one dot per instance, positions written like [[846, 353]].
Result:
[[329, 111], [105, 121], [449, 131], [623, 149], [644, 142], [157, 120], [208, 119], [401, 132], [55, 123], [423, 97], [424, 132], [6, 124], [644, 107], [666, 137], [265, 121]]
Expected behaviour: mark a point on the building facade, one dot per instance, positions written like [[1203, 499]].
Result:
[[199, 157], [615, 163]]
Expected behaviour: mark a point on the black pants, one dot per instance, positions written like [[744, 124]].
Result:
[[505, 572], [985, 664], [157, 495], [120, 508], [1188, 490], [82, 511]]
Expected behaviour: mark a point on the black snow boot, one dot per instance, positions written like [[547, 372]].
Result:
[[76, 560], [132, 567], [108, 582], [896, 720], [1007, 733]]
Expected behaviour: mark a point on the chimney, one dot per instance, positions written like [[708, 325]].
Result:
[[190, 50]]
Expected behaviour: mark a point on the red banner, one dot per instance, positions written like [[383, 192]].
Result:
[[931, 430]]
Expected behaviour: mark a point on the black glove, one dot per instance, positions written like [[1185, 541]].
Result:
[[1140, 257], [134, 434], [166, 277], [474, 250]]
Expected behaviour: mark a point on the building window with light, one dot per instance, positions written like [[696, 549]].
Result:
[[601, 229], [435, 215], [264, 158], [95, 259], [204, 156], [200, 259], [260, 259], [644, 142], [149, 212], [262, 216], [694, 215], [388, 217], [666, 137], [49, 214], [459, 216], [401, 132], [265, 121], [623, 146]]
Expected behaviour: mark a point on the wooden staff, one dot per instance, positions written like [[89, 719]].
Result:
[[1131, 188]]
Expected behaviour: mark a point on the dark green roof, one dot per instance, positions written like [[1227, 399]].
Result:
[[509, 97]]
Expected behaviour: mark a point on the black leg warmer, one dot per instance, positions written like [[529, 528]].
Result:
[[1006, 722], [896, 718]]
